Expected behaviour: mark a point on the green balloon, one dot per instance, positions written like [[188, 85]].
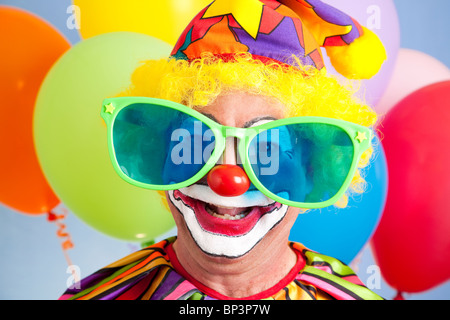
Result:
[[70, 136]]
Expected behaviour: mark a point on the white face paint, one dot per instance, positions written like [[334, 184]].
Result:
[[226, 226]]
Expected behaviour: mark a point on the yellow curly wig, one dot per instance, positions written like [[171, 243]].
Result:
[[303, 90]]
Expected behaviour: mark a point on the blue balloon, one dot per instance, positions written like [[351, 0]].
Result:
[[342, 233]]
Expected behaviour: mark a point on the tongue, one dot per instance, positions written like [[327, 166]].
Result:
[[229, 211]]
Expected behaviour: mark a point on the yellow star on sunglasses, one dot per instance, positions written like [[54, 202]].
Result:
[[109, 108], [361, 137]]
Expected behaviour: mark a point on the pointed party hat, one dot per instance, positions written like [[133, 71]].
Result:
[[278, 30]]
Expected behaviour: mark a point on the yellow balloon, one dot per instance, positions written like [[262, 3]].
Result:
[[164, 20]]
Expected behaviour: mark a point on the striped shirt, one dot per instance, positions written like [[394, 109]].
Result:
[[154, 273]]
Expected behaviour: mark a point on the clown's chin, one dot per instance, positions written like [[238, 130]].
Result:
[[226, 226]]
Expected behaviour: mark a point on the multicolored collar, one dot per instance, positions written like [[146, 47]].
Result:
[[154, 273]]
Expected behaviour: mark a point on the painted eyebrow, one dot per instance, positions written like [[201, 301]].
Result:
[[248, 124], [208, 115]]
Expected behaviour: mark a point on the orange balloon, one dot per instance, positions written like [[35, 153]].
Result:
[[29, 46]]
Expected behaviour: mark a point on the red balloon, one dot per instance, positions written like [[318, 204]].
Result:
[[228, 180], [412, 242]]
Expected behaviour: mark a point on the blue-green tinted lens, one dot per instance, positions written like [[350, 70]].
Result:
[[306, 162], [160, 146]]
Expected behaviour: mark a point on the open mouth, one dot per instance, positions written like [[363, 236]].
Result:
[[227, 213], [230, 221], [221, 229]]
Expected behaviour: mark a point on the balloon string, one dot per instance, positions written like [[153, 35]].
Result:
[[66, 241], [399, 296]]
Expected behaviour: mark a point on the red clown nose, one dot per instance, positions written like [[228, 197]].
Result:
[[228, 180]]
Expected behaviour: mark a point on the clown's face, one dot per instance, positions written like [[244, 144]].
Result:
[[231, 226]]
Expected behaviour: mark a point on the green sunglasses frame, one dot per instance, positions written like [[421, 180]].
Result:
[[360, 136]]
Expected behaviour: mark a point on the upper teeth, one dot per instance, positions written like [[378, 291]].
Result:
[[226, 216]]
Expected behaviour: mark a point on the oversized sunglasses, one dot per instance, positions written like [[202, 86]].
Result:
[[305, 162]]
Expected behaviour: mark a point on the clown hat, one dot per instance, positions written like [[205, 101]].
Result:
[[278, 30]]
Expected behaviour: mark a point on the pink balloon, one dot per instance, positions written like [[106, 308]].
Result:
[[380, 16], [413, 71]]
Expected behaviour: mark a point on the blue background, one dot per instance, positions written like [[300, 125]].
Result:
[[32, 264]]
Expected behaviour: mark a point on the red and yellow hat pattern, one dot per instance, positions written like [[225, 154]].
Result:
[[277, 30]]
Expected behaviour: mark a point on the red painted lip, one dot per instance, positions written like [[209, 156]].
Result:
[[216, 225]]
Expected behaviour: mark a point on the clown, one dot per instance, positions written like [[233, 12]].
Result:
[[243, 130]]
